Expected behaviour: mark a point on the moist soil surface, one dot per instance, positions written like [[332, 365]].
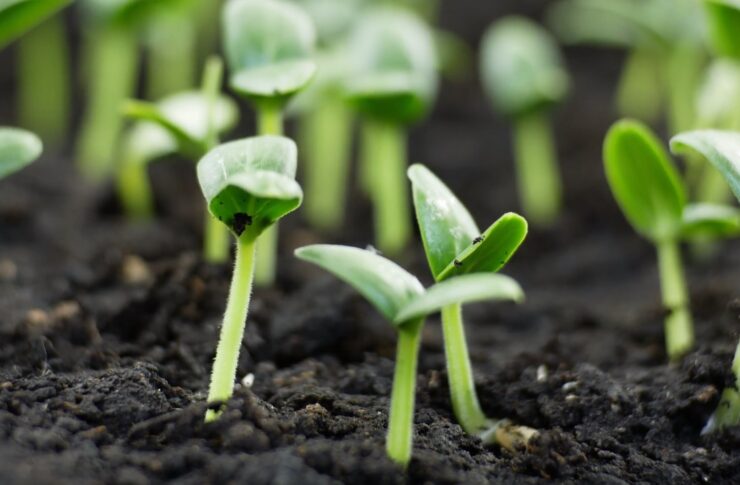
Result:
[[107, 331]]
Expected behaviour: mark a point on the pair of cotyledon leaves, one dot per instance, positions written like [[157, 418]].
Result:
[[18, 148], [649, 190], [462, 260]]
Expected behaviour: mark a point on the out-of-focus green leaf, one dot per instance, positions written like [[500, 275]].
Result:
[[718, 103], [19, 16], [710, 220], [333, 18], [521, 67], [644, 181], [463, 289], [721, 148], [268, 44], [18, 148], [129, 13], [385, 284], [249, 184], [724, 26], [392, 65]]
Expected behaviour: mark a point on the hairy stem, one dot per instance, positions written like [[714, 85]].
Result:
[[232, 329], [460, 373], [326, 135], [403, 396], [387, 180], [112, 66], [538, 175], [679, 329], [44, 81]]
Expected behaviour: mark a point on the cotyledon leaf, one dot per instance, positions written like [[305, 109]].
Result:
[[721, 148], [18, 148]]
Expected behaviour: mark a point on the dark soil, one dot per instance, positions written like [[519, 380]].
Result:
[[107, 331]]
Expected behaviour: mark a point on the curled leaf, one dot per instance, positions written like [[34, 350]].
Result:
[[712, 220], [18, 148], [721, 148]]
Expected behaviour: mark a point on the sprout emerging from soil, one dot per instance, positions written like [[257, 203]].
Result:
[[401, 298], [18, 148], [652, 197], [392, 83], [187, 123], [455, 246], [268, 44], [248, 185], [524, 76]]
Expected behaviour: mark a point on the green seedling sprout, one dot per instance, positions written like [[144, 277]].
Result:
[[649, 190], [665, 51], [248, 185], [392, 84], [269, 46], [722, 149], [18, 148], [187, 123], [524, 76], [401, 299], [454, 247]]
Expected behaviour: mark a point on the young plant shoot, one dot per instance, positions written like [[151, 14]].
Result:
[[652, 197], [524, 77], [248, 185], [269, 46], [187, 123], [18, 148], [392, 83], [454, 247], [401, 298], [722, 149]]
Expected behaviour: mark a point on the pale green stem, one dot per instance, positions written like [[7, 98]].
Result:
[[639, 92], [387, 179], [684, 66], [112, 67], [270, 122], [679, 329], [399, 440], [44, 81], [460, 373], [326, 136], [367, 157], [232, 329], [134, 189], [171, 60], [538, 175]]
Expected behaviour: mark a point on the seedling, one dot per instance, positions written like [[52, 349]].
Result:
[[455, 246], [652, 197], [392, 83], [401, 299], [524, 77], [18, 148], [724, 24], [722, 149], [268, 44], [248, 185], [187, 123]]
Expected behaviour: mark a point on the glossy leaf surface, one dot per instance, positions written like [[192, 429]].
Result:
[[721, 148], [643, 180], [249, 184], [18, 148]]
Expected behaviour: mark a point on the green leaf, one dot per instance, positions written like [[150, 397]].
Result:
[[333, 18], [460, 290], [392, 65], [719, 95], [643, 180], [19, 16], [446, 226], [712, 220], [130, 13], [144, 142], [724, 26], [521, 67], [185, 117], [721, 148], [249, 184], [381, 281], [18, 148], [268, 44]]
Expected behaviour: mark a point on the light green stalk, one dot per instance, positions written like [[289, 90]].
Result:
[[112, 67], [538, 175], [134, 189], [403, 396], [44, 81], [326, 134], [270, 122], [679, 328], [684, 66], [639, 91], [385, 169], [171, 60], [232, 329]]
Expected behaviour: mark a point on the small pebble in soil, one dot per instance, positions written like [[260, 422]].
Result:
[[541, 373], [135, 271], [8, 270], [248, 381]]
